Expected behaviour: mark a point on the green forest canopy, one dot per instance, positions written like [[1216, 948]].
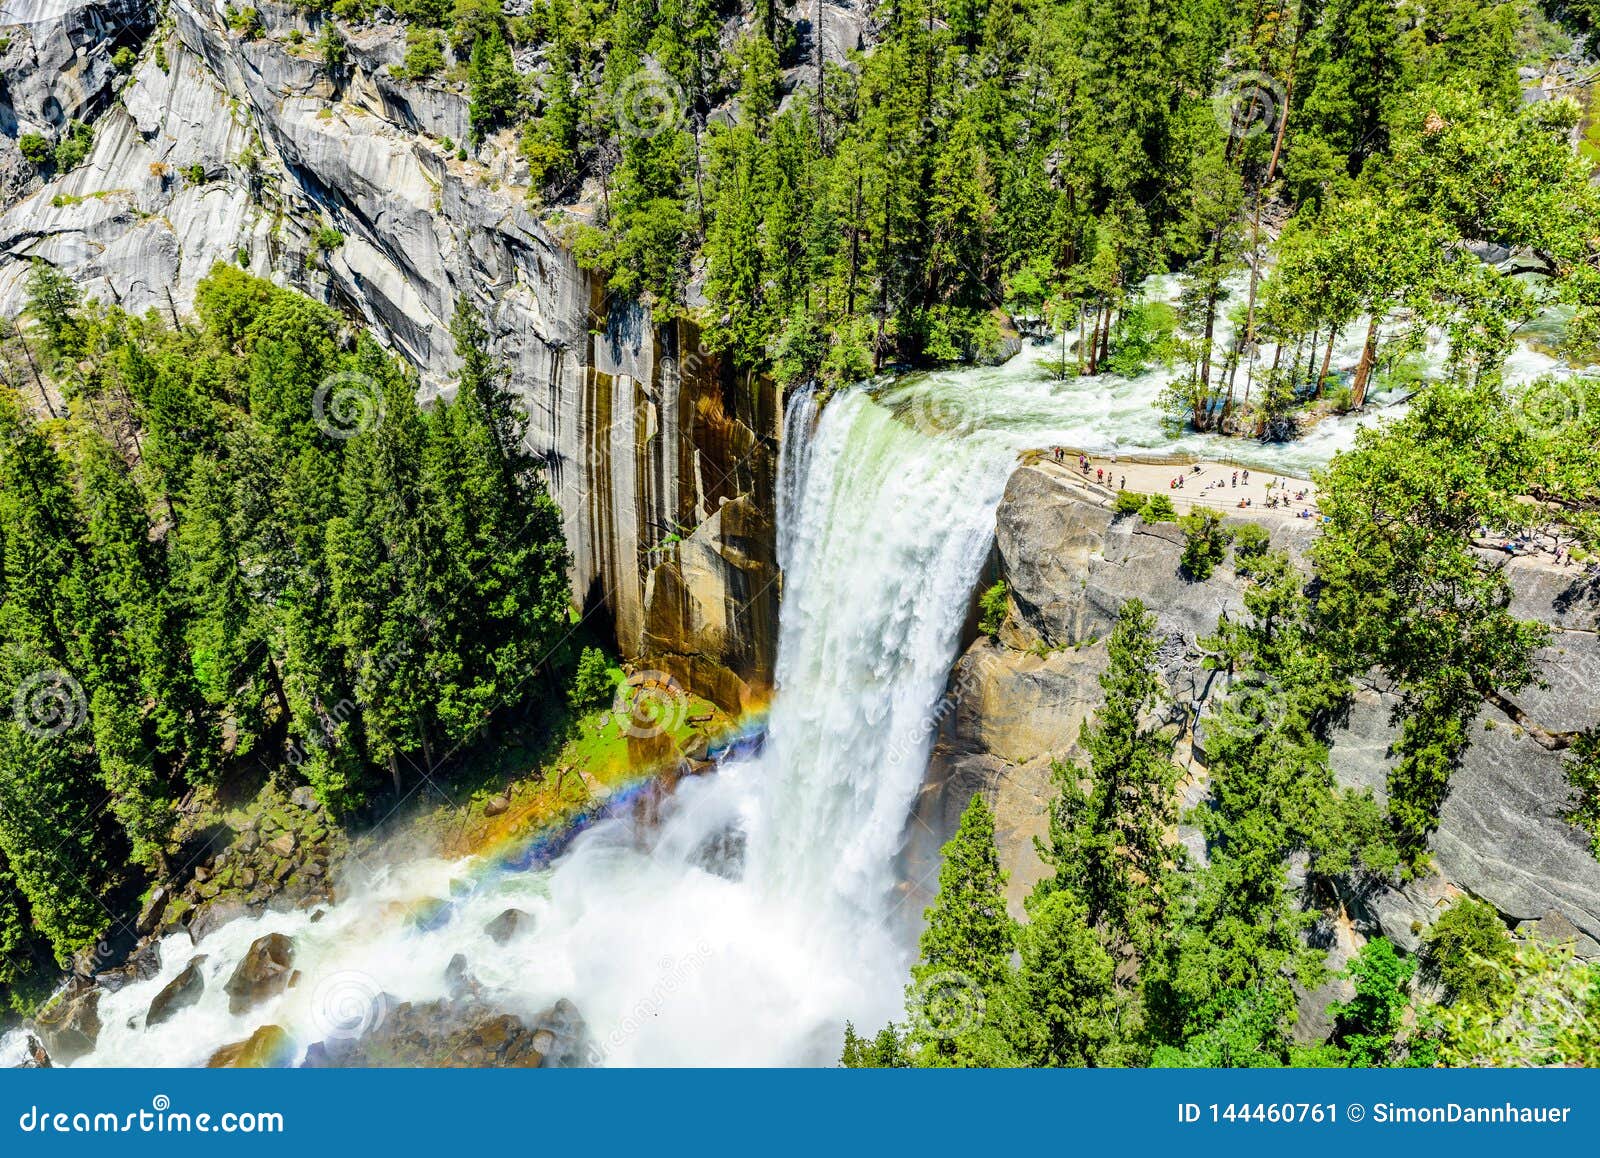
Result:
[[248, 542], [1046, 157]]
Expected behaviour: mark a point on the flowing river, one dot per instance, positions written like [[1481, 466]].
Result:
[[770, 902]]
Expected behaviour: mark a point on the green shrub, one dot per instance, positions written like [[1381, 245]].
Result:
[[1465, 952], [161, 57], [332, 47], [1250, 542], [74, 146], [1129, 502], [36, 149], [124, 58], [194, 174], [1142, 337], [245, 21], [1158, 509], [993, 606], [424, 54], [327, 238], [1205, 543]]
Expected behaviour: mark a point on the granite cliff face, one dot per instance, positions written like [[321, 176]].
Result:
[[1018, 703], [221, 148]]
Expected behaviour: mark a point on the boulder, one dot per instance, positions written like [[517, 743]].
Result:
[[150, 912], [269, 1047], [427, 914], [263, 972], [304, 797], [213, 915], [70, 1025], [461, 1035], [142, 964], [34, 1055], [282, 844], [458, 979], [179, 993], [496, 805], [507, 925]]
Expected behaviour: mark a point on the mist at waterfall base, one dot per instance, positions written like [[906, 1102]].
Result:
[[769, 902]]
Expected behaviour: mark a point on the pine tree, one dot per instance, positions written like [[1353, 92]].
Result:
[[1109, 846], [495, 86], [1067, 1010], [965, 951], [54, 302], [968, 929], [380, 569]]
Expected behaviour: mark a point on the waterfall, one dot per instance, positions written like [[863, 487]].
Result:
[[765, 906], [763, 909]]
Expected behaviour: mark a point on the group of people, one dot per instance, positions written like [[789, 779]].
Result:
[[1278, 490], [1101, 474]]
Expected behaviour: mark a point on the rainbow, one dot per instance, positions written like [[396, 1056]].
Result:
[[523, 849]]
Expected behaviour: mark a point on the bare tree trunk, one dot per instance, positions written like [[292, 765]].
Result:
[[44, 395], [1081, 337], [1327, 359], [275, 680], [1358, 387], [822, 91]]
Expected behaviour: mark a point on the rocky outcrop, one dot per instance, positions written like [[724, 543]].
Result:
[[178, 994], [70, 1025], [222, 148], [264, 971], [269, 1047], [56, 62], [1017, 704], [461, 1034], [278, 852]]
